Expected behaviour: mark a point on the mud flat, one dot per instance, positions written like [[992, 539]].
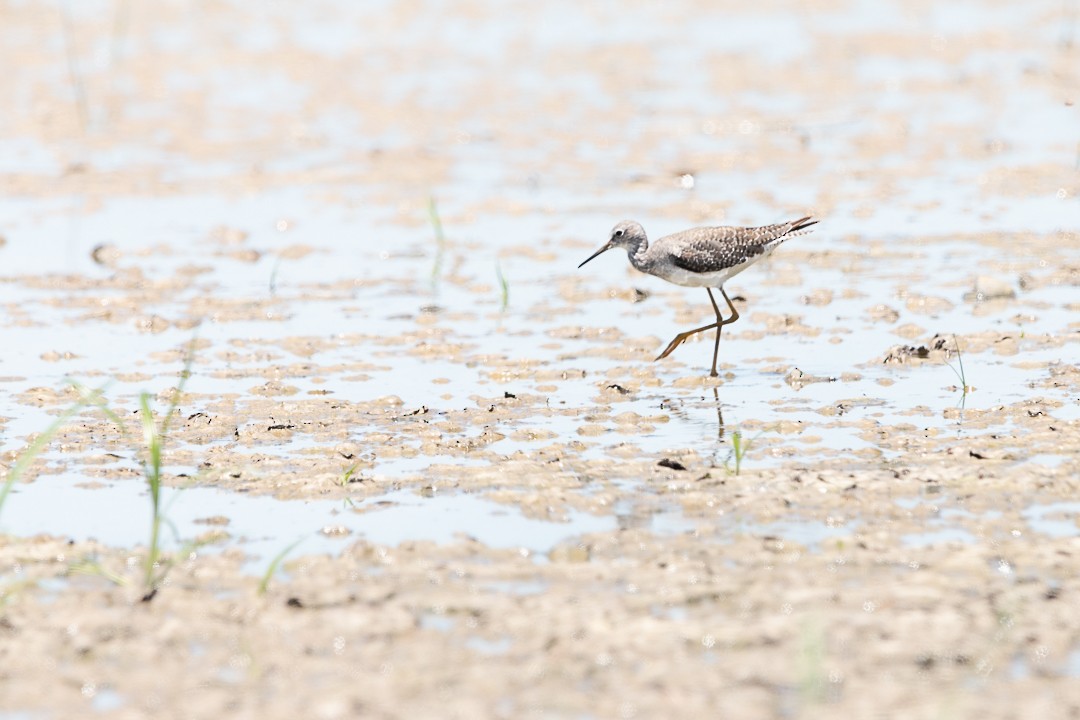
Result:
[[420, 466]]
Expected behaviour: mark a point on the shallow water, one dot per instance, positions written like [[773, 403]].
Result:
[[355, 308], [255, 182], [117, 515]]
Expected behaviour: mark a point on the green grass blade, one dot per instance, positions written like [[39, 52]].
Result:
[[504, 287], [346, 477], [96, 398], [271, 569], [27, 456], [92, 567], [960, 361], [740, 447], [152, 443], [436, 222], [154, 436], [440, 238]]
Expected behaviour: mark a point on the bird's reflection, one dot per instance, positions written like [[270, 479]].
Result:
[[677, 408], [719, 414]]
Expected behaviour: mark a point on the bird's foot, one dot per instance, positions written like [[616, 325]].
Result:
[[679, 340]]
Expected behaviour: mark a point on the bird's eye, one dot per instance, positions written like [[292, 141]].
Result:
[[618, 233]]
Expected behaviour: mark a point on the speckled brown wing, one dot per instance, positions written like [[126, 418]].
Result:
[[712, 249]]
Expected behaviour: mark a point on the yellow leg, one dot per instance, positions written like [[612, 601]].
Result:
[[719, 324]]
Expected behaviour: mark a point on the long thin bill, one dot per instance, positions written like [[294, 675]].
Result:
[[601, 250]]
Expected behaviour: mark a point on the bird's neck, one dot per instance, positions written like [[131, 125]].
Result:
[[636, 253]]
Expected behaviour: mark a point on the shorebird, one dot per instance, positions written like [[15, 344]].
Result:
[[701, 257]]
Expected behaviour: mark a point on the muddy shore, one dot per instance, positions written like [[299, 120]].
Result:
[[422, 466]]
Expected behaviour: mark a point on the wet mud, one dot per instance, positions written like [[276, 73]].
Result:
[[422, 466]]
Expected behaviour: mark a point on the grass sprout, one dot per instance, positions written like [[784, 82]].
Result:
[[440, 237], [436, 222], [347, 476], [154, 436], [9, 590], [740, 446], [93, 567], [504, 287], [960, 374], [38, 445], [275, 563], [26, 459], [151, 452]]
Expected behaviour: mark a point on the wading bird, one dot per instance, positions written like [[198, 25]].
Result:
[[701, 257]]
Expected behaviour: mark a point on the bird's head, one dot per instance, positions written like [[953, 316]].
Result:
[[627, 234]]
